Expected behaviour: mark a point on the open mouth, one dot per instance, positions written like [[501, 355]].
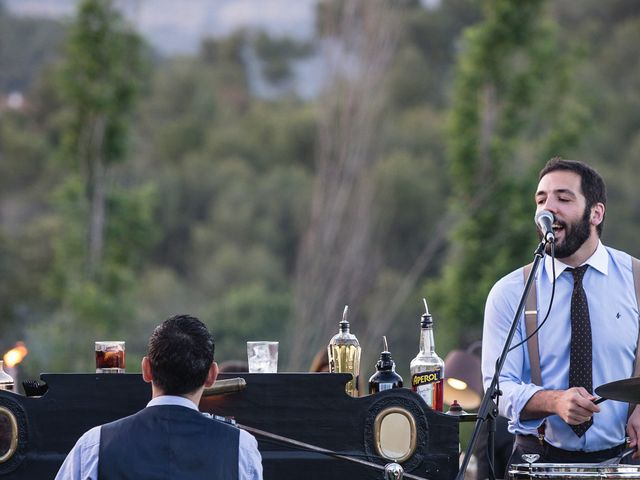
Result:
[[557, 227]]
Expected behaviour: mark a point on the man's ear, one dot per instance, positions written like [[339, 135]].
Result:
[[212, 375], [597, 214], [147, 374]]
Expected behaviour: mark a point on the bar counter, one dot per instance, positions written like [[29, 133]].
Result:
[[309, 408]]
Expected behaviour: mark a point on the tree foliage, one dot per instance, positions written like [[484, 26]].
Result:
[[505, 121], [100, 80], [411, 175]]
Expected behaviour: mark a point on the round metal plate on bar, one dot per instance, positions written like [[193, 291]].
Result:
[[8, 434], [395, 434]]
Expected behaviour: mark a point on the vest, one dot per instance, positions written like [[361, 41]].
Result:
[[168, 442]]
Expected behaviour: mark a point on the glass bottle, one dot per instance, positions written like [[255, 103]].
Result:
[[344, 354], [427, 368], [6, 381], [385, 377]]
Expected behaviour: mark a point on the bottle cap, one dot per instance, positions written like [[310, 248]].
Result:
[[426, 320], [385, 362]]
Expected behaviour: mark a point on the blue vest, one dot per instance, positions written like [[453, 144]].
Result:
[[168, 442]]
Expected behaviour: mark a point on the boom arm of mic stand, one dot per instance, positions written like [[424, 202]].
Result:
[[488, 410]]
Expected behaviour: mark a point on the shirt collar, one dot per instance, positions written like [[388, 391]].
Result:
[[172, 400], [599, 260]]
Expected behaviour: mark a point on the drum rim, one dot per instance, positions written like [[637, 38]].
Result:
[[574, 471], [598, 466]]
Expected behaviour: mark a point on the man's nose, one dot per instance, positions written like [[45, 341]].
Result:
[[550, 205]]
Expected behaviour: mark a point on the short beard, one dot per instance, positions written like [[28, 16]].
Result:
[[575, 235]]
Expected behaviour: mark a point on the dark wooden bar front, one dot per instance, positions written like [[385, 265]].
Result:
[[308, 407]]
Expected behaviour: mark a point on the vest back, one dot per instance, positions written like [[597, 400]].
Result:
[[168, 442]]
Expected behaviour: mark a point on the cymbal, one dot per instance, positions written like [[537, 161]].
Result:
[[627, 390]]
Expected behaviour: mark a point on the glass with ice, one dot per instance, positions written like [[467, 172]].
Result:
[[110, 357], [262, 356]]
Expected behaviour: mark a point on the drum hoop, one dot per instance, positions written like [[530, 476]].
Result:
[[574, 471]]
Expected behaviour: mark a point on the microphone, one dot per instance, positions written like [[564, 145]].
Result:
[[544, 220]]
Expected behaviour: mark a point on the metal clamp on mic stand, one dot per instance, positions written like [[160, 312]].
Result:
[[488, 410]]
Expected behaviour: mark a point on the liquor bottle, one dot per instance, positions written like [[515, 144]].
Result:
[[6, 380], [344, 354], [427, 369], [385, 377]]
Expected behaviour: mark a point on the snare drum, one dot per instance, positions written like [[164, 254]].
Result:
[[573, 471]]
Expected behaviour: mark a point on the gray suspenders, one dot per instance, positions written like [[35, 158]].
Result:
[[531, 321]]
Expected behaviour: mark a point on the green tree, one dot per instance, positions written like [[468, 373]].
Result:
[[495, 138], [276, 55], [101, 77], [99, 228]]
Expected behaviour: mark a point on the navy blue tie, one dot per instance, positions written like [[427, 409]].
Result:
[[580, 374]]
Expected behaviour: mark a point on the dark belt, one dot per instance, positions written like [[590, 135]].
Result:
[[553, 454]]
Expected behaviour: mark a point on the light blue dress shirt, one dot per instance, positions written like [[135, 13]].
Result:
[[613, 312], [82, 461]]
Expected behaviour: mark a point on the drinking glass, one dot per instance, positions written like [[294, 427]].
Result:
[[262, 356], [110, 357]]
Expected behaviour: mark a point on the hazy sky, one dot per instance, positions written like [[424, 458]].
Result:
[[177, 26]]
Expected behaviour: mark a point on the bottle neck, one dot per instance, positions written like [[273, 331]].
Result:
[[427, 344], [385, 364]]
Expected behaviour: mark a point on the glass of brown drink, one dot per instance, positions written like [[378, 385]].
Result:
[[110, 357]]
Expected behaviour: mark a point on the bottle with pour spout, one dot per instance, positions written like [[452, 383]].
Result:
[[427, 368], [344, 354], [385, 377]]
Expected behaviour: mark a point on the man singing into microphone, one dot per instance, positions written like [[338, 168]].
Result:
[[589, 339]]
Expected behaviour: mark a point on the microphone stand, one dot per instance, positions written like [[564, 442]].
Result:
[[488, 410]]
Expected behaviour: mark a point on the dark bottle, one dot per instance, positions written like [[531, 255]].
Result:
[[427, 369], [385, 377]]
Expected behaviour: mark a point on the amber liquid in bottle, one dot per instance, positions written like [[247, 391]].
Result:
[[344, 355], [427, 368]]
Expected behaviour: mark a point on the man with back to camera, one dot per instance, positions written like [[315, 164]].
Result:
[[604, 315], [170, 438]]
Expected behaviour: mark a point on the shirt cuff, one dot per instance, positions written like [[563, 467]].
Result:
[[520, 399]]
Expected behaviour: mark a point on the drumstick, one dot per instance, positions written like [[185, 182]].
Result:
[[599, 400]]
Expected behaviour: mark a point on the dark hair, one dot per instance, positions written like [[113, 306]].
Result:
[[591, 183], [180, 352]]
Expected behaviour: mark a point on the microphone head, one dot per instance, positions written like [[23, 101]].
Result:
[[544, 214], [544, 221]]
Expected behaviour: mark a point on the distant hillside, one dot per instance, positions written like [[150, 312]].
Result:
[[26, 45]]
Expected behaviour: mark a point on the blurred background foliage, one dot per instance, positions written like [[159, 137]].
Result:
[[135, 185]]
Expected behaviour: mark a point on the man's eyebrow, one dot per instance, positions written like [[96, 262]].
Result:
[[557, 191]]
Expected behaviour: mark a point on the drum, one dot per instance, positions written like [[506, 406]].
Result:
[[573, 471]]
